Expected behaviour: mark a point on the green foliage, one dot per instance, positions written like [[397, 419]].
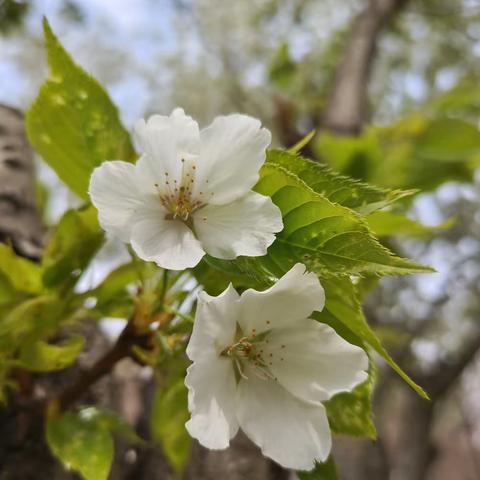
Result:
[[390, 223], [337, 188], [322, 471], [350, 413], [343, 313], [328, 238], [39, 356], [81, 443], [168, 418], [21, 274], [73, 123], [71, 247], [282, 69]]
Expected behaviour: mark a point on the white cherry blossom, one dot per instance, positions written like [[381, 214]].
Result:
[[190, 192], [260, 364]]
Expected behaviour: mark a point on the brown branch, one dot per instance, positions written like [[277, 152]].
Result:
[[346, 109], [122, 349]]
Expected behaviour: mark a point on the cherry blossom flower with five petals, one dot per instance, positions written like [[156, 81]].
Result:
[[260, 364], [190, 192]]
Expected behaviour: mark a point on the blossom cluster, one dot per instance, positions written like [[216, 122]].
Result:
[[260, 362]]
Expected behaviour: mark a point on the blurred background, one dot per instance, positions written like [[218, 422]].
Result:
[[392, 88]]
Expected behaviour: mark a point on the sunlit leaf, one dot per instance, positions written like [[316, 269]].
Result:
[[81, 444], [22, 274], [40, 356], [328, 238], [71, 246], [73, 123], [346, 191]]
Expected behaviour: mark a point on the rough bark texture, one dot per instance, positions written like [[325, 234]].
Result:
[[19, 222], [346, 109]]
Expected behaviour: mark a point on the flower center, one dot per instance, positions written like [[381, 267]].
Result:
[[248, 352], [176, 196]]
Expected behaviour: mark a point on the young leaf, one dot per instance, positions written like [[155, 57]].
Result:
[[346, 191], [167, 422], [328, 238], [81, 444], [40, 356], [22, 274], [73, 124], [69, 250], [322, 471]]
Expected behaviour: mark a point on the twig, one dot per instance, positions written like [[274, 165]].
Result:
[[121, 349]]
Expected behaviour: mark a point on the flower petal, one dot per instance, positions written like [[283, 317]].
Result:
[[165, 141], [168, 243], [232, 150], [115, 193], [313, 362], [294, 297], [211, 401], [215, 324], [244, 227], [293, 433]]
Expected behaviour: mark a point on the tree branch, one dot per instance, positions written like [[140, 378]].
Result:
[[121, 349], [346, 109]]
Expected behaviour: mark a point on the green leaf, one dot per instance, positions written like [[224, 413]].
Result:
[[73, 124], [82, 444], [70, 248], [448, 140], [389, 223], [337, 188], [168, 418], [22, 274], [328, 238], [350, 413], [322, 471], [40, 356], [343, 313], [34, 317]]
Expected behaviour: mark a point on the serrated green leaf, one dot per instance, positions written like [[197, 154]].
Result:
[[73, 124], [350, 413], [346, 191], [167, 422], [40, 356], [343, 313], [75, 240], [81, 444], [328, 238], [389, 223], [22, 274], [322, 471]]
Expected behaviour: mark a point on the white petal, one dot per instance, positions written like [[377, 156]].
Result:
[[211, 400], [115, 193], [293, 433], [168, 243], [232, 150], [244, 227], [313, 362], [215, 324], [294, 297], [165, 141]]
